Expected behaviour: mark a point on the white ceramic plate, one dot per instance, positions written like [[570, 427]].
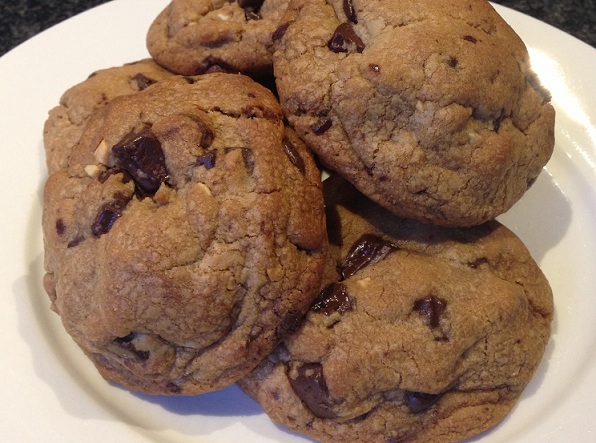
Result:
[[50, 392]]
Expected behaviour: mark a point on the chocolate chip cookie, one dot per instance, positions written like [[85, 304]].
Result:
[[186, 237], [198, 36], [430, 108], [427, 333], [66, 122]]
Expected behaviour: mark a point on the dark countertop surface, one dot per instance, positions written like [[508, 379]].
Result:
[[22, 19]]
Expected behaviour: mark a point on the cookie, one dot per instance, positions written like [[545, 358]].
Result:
[[66, 122], [427, 333], [429, 108], [197, 36], [186, 237]]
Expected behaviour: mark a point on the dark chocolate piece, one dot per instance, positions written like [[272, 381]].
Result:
[[143, 82], [431, 308], [334, 298], [345, 40], [321, 126], [350, 11], [108, 214], [368, 249], [310, 386], [142, 157], [420, 401], [293, 155]]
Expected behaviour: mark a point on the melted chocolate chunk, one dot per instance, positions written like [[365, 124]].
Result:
[[212, 64], [321, 126], [289, 324], [350, 11], [127, 343], [419, 401], [60, 227], [255, 5], [293, 155], [249, 160], [368, 249], [497, 121], [280, 31], [334, 298], [207, 134], [431, 308], [143, 82], [470, 39], [76, 241], [207, 160], [142, 157], [345, 40], [108, 214], [310, 386], [247, 156]]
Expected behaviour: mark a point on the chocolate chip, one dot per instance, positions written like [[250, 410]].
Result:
[[368, 249], [189, 80], [452, 62], [255, 5], [374, 68], [249, 159], [207, 134], [430, 308], [345, 40], [420, 401], [127, 343], [293, 155], [212, 64], [334, 298], [470, 39], [247, 156], [207, 160], [350, 11], [280, 31], [311, 388], [290, 323], [478, 262], [497, 121], [321, 126], [76, 241], [108, 214], [143, 82], [173, 388], [142, 157], [60, 227]]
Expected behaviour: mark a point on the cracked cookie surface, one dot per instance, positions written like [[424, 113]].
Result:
[[185, 237], [426, 333], [197, 36], [430, 108], [66, 122]]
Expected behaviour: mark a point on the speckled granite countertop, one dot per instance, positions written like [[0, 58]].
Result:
[[22, 19]]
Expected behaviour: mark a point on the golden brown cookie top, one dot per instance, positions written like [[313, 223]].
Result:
[[430, 108], [197, 36]]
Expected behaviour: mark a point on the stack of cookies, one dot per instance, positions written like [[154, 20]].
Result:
[[191, 243]]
